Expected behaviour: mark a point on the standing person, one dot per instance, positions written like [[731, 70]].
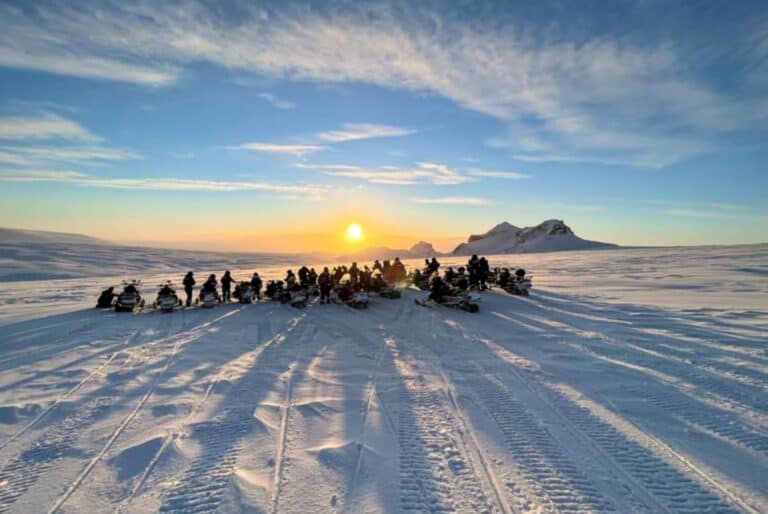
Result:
[[483, 272], [304, 277], [325, 281], [189, 283], [434, 265], [354, 273], [256, 285], [377, 265], [312, 277], [398, 270], [226, 286]]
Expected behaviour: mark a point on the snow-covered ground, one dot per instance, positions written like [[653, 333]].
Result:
[[630, 381]]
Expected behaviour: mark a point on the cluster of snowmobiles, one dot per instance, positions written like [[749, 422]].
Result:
[[353, 286], [518, 284], [460, 289]]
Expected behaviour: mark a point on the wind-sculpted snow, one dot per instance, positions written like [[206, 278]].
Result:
[[629, 381]]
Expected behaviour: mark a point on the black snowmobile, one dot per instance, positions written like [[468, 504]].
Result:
[[381, 288], [350, 295], [295, 297], [419, 280], [274, 289], [244, 292], [519, 284], [130, 298], [444, 294], [209, 295], [167, 299]]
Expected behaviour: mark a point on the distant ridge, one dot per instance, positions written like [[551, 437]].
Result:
[[13, 235]]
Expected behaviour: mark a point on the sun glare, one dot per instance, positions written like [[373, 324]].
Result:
[[354, 232]]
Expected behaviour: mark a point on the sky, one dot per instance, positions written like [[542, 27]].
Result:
[[274, 125]]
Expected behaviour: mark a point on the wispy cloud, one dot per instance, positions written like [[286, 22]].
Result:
[[277, 102], [355, 131], [452, 200], [592, 97], [277, 148], [43, 126], [12, 158], [422, 173], [71, 154], [509, 175], [159, 184]]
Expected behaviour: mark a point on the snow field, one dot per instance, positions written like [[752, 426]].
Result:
[[580, 398]]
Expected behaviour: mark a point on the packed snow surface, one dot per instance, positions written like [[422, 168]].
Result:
[[630, 381]]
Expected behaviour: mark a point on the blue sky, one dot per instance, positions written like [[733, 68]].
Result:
[[272, 125]]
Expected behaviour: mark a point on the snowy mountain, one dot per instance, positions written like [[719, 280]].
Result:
[[549, 236], [423, 249], [419, 250]]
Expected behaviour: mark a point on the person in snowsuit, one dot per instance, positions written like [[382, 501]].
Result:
[[504, 277], [433, 265], [438, 289], [304, 277], [365, 279], [189, 283], [210, 285], [325, 281], [226, 287], [462, 282], [256, 285], [312, 277], [290, 281], [398, 270], [105, 298], [483, 272], [354, 274], [449, 275]]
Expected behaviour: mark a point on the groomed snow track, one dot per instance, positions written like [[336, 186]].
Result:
[[532, 405]]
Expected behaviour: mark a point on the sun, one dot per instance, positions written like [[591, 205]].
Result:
[[354, 232]]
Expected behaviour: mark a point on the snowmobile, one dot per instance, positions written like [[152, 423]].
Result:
[[380, 287], [167, 300], [419, 280], [348, 294], [130, 298], [297, 297], [359, 300], [468, 301], [244, 292], [208, 296], [274, 289], [520, 284]]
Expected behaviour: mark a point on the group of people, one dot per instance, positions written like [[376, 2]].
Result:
[[345, 279], [380, 277], [211, 286]]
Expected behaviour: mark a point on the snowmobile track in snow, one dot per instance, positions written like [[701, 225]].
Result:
[[434, 465], [182, 339], [537, 457], [285, 409], [202, 486]]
